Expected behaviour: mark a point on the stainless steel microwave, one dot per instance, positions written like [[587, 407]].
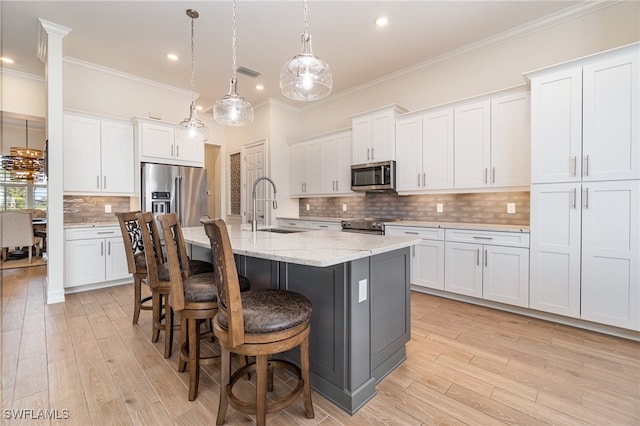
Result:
[[374, 176]]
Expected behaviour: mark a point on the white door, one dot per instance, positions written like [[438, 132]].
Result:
[[555, 248], [437, 150], [556, 127], [611, 253], [506, 275], [427, 267], [254, 167], [409, 154], [463, 268], [611, 129], [510, 136], [117, 157], [472, 146]]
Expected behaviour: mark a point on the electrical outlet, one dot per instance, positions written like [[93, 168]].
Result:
[[439, 208], [362, 290], [511, 207], [344, 207], [307, 207], [107, 208]]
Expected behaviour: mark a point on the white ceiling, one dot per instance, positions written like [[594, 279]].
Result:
[[135, 36]]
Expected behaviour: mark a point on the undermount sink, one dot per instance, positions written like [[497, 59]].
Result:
[[281, 230]]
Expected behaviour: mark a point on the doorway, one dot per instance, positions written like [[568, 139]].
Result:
[[254, 166]]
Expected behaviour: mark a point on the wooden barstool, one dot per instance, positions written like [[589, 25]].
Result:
[[194, 297], [258, 323], [136, 263]]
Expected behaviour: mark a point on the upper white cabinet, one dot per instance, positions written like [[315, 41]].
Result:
[[492, 142], [335, 163], [322, 166], [158, 143], [98, 155], [424, 151], [374, 135], [584, 119]]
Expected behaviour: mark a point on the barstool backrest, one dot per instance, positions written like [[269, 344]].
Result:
[[177, 259], [132, 237], [153, 247], [224, 266]]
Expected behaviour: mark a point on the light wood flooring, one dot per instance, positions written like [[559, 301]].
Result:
[[466, 365]]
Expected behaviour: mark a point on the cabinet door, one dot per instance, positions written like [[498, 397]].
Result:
[[611, 133], [81, 154], [437, 150], [84, 260], [117, 157], [472, 149], [427, 264], [312, 153], [611, 253], [343, 162], [361, 127], [409, 154], [298, 168], [328, 164], [463, 268], [556, 127], [383, 141], [510, 136], [115, 259], [157, 141], [189, 152], [555, 248], [506, 275]]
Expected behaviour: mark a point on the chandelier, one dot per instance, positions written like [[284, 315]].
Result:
[[24, 163]]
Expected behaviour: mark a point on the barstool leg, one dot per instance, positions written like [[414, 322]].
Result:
[[306, 389], [194, 357], [168, 329], [261, 389], [184, 343], [137, 297], [156, 302], [225, 377]]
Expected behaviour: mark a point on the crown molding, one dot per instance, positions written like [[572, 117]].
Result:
[[124, 75], [23, 75]]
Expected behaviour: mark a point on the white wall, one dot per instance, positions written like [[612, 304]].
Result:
[[490, 68], [23, 93]]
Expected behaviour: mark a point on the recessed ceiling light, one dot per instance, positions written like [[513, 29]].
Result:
[[381, 21], [6, 60], [259, 87], [172, 56]]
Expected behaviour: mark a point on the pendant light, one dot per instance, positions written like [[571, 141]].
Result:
[[306, 77], [24, 163], [232, 109], [192, 128]]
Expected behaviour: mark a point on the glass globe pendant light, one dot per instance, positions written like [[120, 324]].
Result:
[[233, 109], [306, 77], [192, 128]]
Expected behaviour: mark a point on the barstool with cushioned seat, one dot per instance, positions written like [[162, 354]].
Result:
[[258, 323], [136, 263]]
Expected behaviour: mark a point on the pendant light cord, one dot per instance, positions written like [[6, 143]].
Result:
[[306, 22], [233, 42], [193, 74]]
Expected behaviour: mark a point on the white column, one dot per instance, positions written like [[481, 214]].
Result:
[[50, 52]]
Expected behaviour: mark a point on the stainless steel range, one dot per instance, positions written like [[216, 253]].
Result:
[[365, 225]]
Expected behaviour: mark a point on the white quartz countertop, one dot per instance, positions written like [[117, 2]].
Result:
[[458, 225], [312, 248]]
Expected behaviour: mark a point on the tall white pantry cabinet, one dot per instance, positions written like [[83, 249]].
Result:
[[585, 188]]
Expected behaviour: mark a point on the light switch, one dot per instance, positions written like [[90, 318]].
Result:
[[362, 290]]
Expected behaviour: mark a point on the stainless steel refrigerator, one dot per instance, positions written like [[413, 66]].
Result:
[[175, 189]]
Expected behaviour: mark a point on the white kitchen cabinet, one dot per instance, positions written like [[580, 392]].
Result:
[[424, 151], [472, 146], [335, 164], [427, 257], [94, 255], [325, 226], [584, 119], [374, 135], [302, 223], [305, 168], [98, 155], [489, 265], [293, 223], [158, 143]]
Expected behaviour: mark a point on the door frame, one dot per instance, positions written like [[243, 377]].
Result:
[[244, 185]]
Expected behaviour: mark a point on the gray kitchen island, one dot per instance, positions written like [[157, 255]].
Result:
[[359, 286]]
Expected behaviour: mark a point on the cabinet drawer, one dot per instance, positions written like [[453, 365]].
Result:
[[512, 239], [327, 226], [424, 233], [89, 233], [290, 223]]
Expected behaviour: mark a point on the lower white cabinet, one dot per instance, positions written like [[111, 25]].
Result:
[[94, 255], [489, 265], [427, 257], [310, 224]]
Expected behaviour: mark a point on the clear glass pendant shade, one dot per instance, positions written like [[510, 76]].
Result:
[[232, 109], [192, 128], [306, 77]]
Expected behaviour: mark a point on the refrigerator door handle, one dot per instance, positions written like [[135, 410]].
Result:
[[176, 189]]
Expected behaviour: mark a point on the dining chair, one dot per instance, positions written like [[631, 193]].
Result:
[[16, 230], [257, 323]]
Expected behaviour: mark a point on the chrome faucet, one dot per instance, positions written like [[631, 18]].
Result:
[[254, 223]]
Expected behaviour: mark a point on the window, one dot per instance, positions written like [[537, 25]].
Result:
[[23, 195], [235, 175]]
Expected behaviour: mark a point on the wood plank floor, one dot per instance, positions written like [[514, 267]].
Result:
[[466, 365]]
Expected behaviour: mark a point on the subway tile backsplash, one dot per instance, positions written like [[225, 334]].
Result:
[[486, 207], [85, 209]]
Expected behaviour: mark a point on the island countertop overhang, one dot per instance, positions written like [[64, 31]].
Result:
[[312, 248]]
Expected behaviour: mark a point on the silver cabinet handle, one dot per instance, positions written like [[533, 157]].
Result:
[[493, 175], [411, 233], [586, 165], [177, 151], [485, 258], [324, 226], [368, 150], [418, 180], [586, 198], [109, 248], [172, 150], [104, 179], [573, 165], [101, 248], [97, 182], [575, 198], [476, 237], [104, 232], [478, 257], [424, 179], [486, 171], [337, 185], [372, 154]]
